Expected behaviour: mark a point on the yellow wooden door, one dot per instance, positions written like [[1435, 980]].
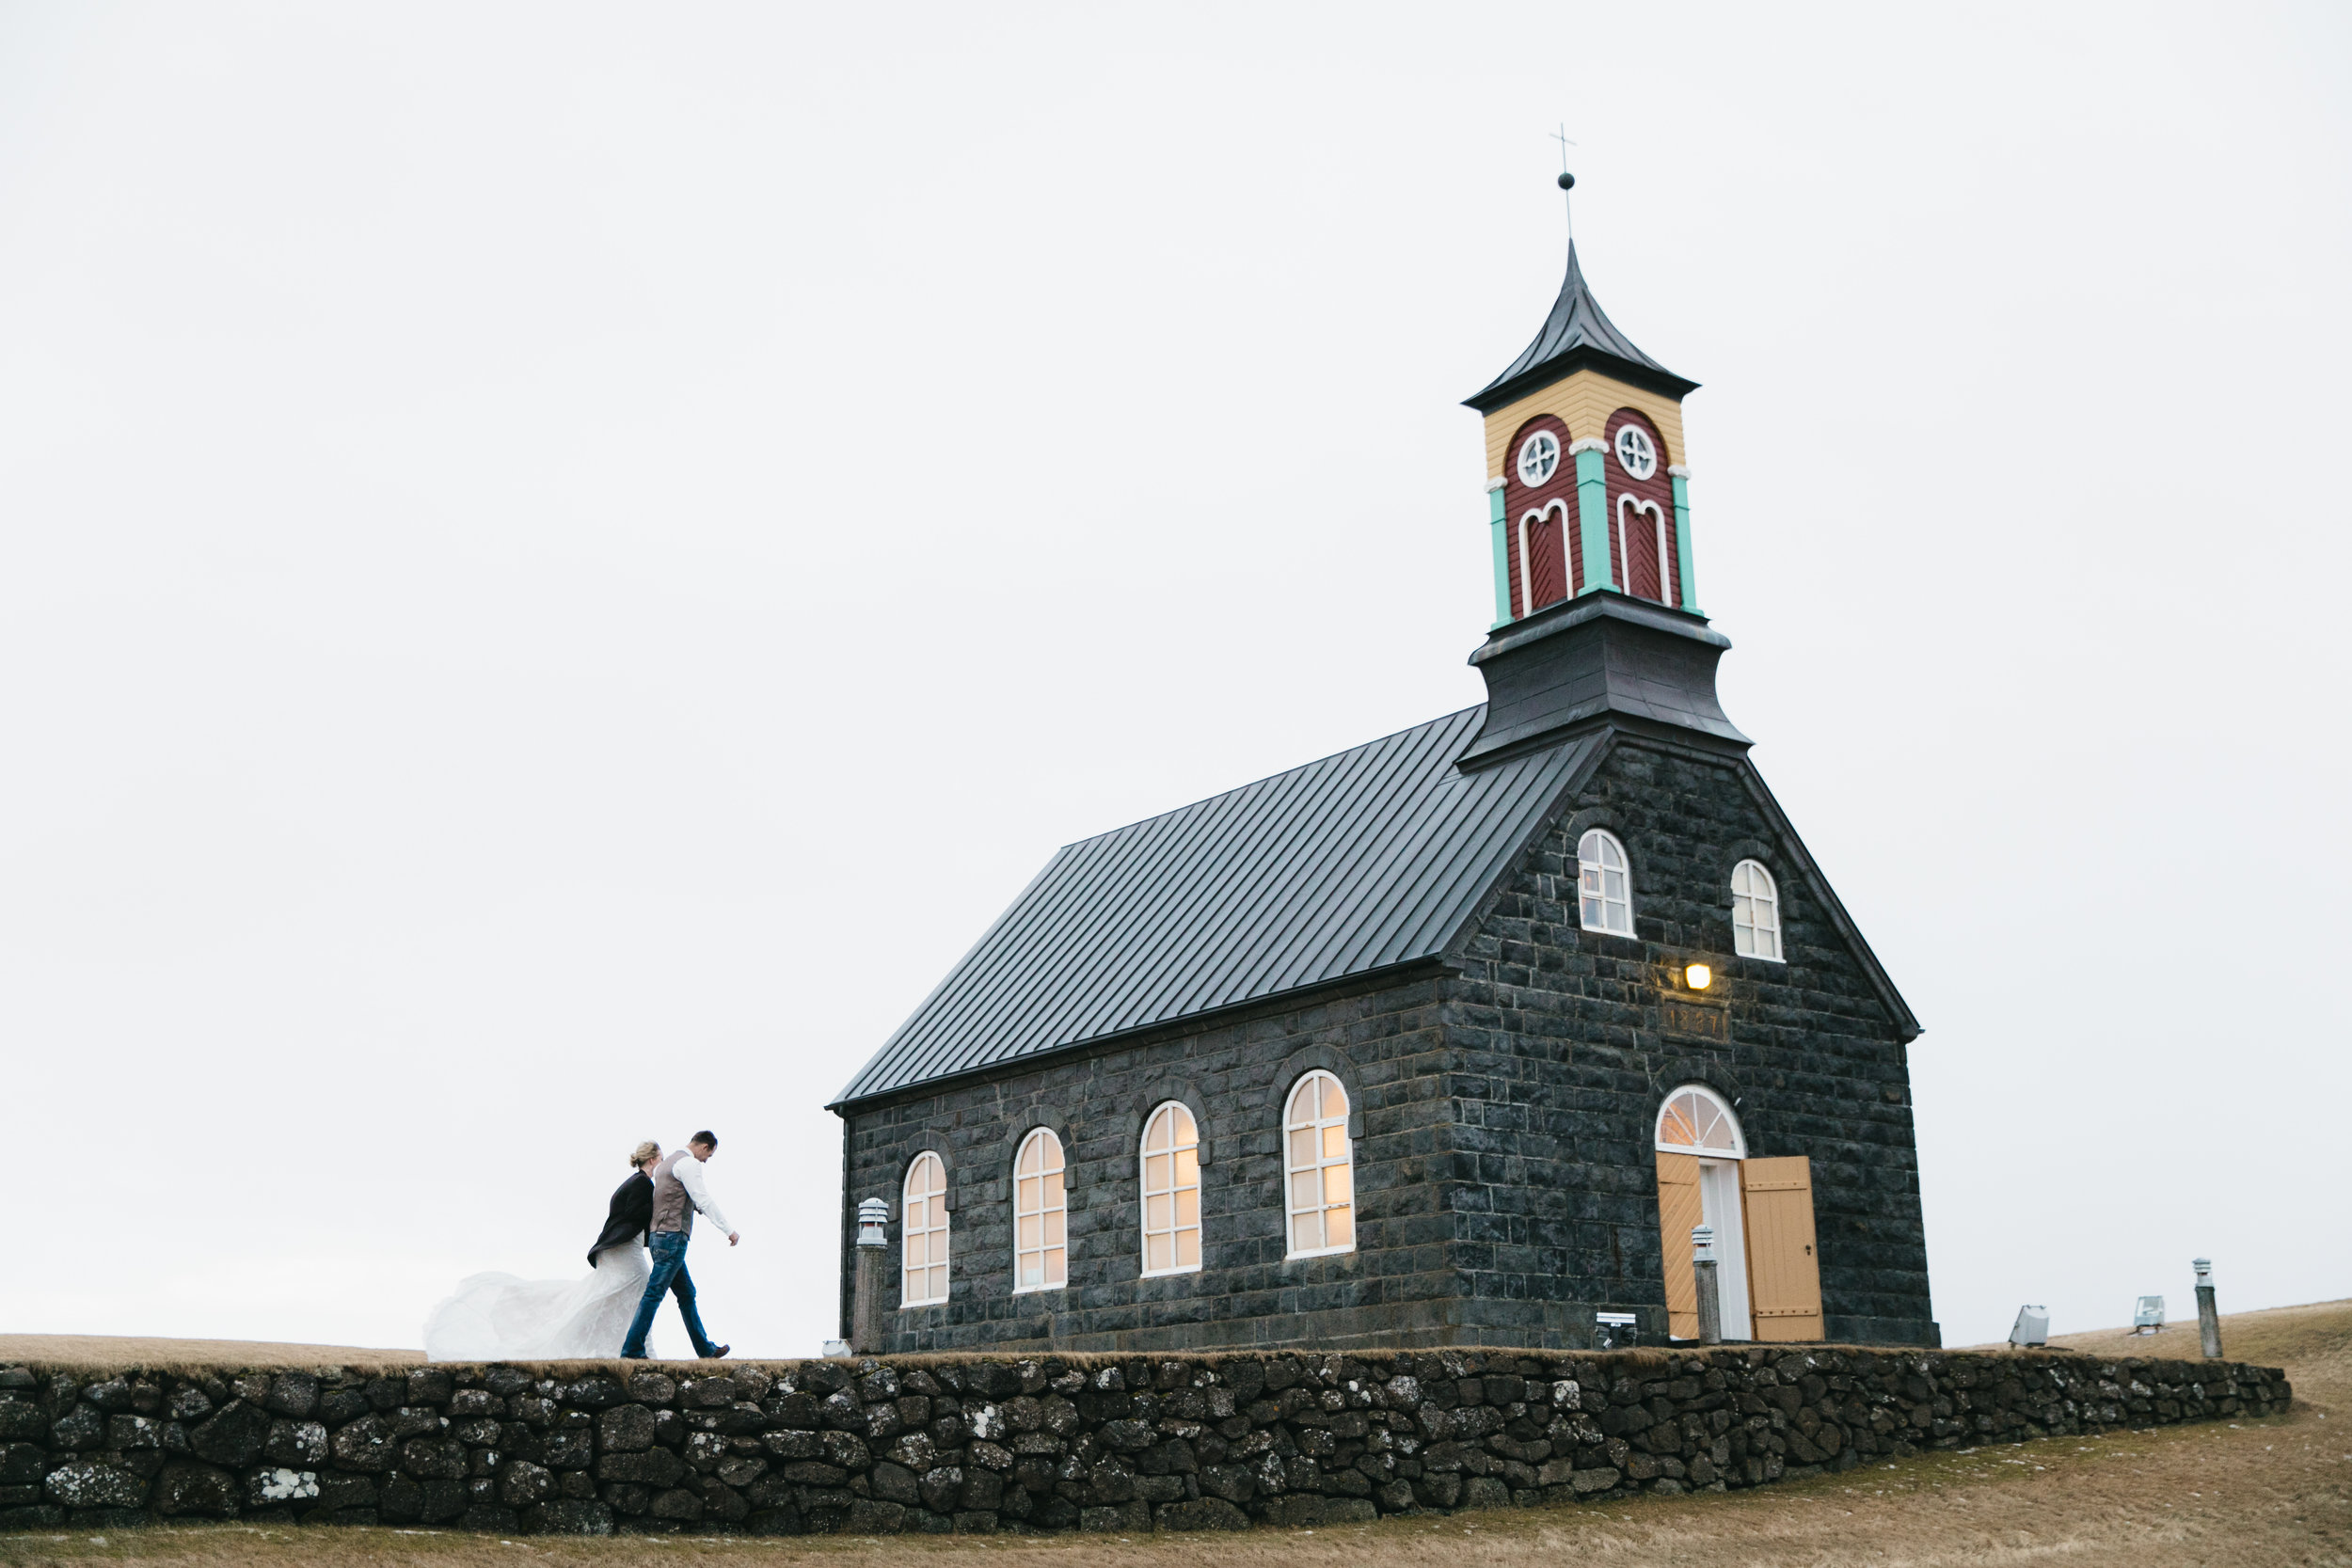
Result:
[[1677, 1212], [1784, 1274]]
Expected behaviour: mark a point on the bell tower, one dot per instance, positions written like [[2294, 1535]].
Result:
[[1597, 610], [1590, 486]]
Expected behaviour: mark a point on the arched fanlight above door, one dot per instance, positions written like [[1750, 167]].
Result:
[[1696, 1120]]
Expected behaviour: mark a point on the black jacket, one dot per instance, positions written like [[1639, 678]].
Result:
[[633, 1210]]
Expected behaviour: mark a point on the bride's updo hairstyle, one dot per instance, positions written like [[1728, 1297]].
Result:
[[645, 1154]]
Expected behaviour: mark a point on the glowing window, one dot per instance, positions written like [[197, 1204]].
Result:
[[1754, 912], [1696, 1120], [1041, 1248], [1604, 891], [1321, 1166], [1171, 1191], [925, 1233]]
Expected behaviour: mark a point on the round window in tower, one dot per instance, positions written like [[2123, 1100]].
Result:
[[1539, 457], [1637, 454]]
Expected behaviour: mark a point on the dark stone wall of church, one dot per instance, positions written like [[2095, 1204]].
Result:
[[1567, 1041], [1396, 1288], [1505, 1177]]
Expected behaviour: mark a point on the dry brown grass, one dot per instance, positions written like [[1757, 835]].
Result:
[[116, 1352], [2256, 1495]]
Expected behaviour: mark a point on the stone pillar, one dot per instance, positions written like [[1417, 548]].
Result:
[[2208, 1317], [1690, 594], [1711, 1300], [1592, 514], [1500, 528], [873, 1262]]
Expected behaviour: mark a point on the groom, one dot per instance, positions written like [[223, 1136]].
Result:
[[678, 1190]]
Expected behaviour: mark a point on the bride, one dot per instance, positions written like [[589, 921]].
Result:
[[496, 1317]]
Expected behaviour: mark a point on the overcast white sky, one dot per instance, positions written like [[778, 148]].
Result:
[[559, 563]]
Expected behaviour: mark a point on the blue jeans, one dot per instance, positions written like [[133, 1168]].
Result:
[[669, 1275]]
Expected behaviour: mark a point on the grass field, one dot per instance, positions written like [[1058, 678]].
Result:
[[2256, 1495]]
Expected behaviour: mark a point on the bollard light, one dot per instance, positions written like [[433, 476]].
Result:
[[873, 1217], [2204, 1270], [1699, 976], [1702, 1244]]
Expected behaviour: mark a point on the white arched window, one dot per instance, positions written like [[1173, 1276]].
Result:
[[1040, 1249], [1171, 1191], [925, 1230], [1696, 1120], [1604, 891], [1754, 912], [1321, 1166]]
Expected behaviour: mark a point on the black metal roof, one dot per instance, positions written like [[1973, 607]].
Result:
[[1370, 858], [1576, 336]]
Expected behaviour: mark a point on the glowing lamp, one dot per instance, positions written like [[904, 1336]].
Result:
[[1699, 975]]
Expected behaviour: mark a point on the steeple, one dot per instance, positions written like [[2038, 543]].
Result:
[[1596, 613], [1578, 335]]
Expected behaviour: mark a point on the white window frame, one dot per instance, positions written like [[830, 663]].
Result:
[[1601, 868], [1729, 1118], [1749, 902], [1528, 446], [1647, 450], [935, 1205], [1527, 554], [1053, 1202], [1176, 1148], [1320, 1126]]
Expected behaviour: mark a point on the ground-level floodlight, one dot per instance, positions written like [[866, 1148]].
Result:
[[2148, 1317], [1616, 1330], [2033, 1328], [2208, 1316], [1703, 1275]]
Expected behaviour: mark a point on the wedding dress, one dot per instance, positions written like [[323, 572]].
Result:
[[496, 1317]]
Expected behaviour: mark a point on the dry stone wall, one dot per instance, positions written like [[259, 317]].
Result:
[[1123, 1443]]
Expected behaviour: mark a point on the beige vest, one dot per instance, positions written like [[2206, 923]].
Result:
[[672, 1209]]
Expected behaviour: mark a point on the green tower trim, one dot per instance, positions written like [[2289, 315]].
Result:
[[1500, 529], [1681, 477], [1592, 514]]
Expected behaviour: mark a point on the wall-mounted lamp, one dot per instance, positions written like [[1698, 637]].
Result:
[[1699, 976]]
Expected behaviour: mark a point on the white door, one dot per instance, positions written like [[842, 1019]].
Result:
[[1719, 1205]]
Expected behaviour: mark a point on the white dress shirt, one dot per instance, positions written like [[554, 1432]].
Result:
[[688, 1172]]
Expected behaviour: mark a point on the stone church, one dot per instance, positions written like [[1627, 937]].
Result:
[[1450, 1038]]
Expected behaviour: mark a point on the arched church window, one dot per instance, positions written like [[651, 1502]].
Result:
[[1604, 888], [1321, 1166], [1171, 1191], [1754, 912], [925, 1232], [1696, 1120], [1642, 547], [1041, 1248], [1540, 458]]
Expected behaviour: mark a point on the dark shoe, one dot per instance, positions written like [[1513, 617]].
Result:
[[715, 1352]]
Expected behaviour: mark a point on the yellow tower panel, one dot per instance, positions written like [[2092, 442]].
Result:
[[1582, 401]]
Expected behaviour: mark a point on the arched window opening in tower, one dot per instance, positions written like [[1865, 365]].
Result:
[[1171, 1191], [925, 1232], [1321, 1164], [1040, 1214], [1543, 556], [1642, 547], [1755, 912], [1604, 886]]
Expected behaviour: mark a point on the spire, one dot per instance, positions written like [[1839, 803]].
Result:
[[1576, 336]]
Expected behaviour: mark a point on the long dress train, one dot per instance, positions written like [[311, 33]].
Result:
[[496, 1317]]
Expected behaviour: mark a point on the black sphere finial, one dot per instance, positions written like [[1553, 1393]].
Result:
[[1568, 180]]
